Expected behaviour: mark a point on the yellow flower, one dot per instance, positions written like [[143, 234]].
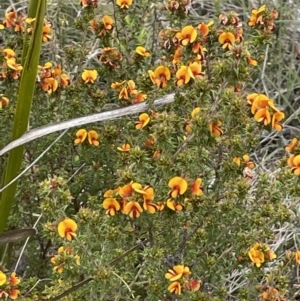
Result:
[[187, 35], [142, 51], [111, 205], [297, 257], [108, 22], [124, 148], [178, 186], [171, 204], [294, 163], [89, 76], [3, 101], [226, 39], [292, 145], [215, 128], [8, 53], [93, 138], [195, 112], [80, 136], [160, 76], [183, 75], [277, 116], [124, 3], [133, 209], [50, 85], [246, 161], [177, 272], [2, 278], [263, 116], [67, 229], [257, 256], [144, 119], [46, 33], [175, 288]]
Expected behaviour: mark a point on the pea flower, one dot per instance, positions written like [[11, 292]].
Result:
[[177, 272], [80, 136], [124, 148], [124, 3], [294, 163], [144, 119], [160, 76], [292, 145], [184, 75], [2, 278], [175, 288], [111, 205], [178, 186], [227, 39], [142, 51], [196, 187], [89, 76], [133, 209], [187, 35], [67, 229], [93, 138], [3, 101], [215, 128]]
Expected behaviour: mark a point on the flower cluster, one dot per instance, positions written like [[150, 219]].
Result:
[[52, 77], [265, 111], [244, 162], [110, 57], [14, 19], [178, 6], [89, 3], [128, 91], [294, 160], [10, 67], [46, 33], [131, 199], [8, 286], [64, 257], [93, 137], [259, 253], [179, 276], [263, 18]]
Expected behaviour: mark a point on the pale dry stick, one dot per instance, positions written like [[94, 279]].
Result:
[[102, 116], [136, 276], [25, 244], [75, 173], [36, 160], [40, 280], [132, 295], [263, 70]]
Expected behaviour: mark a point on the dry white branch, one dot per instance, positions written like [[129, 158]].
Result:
[[103, 116]]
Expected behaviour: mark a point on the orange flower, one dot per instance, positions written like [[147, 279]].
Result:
[[89, 76], [14, 293], [175, 288], [108, 22], [277, 116], [183, 75], [215, 128], [2, 278], [3, 101], [126, 191], [111, 205], [292, 145], [67, 229], [124, 148], [193, 285], [81, 136], [263, 116], [13, 279], [294, 163], [133, 209], [93, 138], [177, 272], [187, 35], [251, 61], [256, 255], [171, 204], [204, 29], [144, 119], [124, 3], [160, 76], [142, 51], [297, 257], [197, 188], [196, 69], [50, 85], [226, 39], [178, 186], [246, 161], [46, 33], [256, 15], [8, 53]]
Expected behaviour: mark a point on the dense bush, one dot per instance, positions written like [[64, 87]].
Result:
[[175, 203]]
